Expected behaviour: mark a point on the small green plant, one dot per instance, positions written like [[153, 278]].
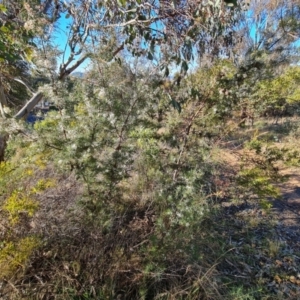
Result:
[[23, 202], [274, 248], [18, 203], [42, 185], [239, 293], [16, 255], [256, 180], [265, 205]]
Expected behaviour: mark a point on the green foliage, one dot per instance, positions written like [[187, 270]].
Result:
[[14, 40], [17, 30], [149, 223], [257, 181], [5, 169], [259, 171], [279, 96], [20, 188], [19, 203], [145, 181], [42, 185], [256, 145], [151, 182], [148, 171], [16, 255]]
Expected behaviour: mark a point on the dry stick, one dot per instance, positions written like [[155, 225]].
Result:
[[187, 132]]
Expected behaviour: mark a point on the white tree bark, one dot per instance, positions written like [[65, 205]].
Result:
[[3, 101]]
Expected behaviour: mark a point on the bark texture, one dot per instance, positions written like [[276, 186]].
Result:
[[3, 141]]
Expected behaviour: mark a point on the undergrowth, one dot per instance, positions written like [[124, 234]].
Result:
[[118, 196]]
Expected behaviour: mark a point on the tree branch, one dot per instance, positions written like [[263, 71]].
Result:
[[29, 105], [65, 72]]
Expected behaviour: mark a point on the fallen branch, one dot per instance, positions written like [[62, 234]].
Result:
[[29, 106]]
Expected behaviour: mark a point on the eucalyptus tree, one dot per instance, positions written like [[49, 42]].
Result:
[[264, 44], [15, 49], [141, 26]]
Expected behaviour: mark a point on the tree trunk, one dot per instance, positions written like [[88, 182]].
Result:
[[3, 101], [3, 141], [3, 137]]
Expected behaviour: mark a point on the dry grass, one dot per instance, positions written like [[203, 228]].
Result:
[[234, 252]]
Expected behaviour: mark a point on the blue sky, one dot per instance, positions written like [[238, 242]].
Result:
[[60, 40]]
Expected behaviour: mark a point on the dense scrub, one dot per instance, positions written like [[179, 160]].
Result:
[[118, 194], [155, 173]]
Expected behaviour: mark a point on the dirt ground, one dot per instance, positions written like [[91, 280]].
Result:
[[287, 209]]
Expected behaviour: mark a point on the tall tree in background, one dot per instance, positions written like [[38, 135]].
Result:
[[264, 44], [267, 29], [15, 49], [141, 27]]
